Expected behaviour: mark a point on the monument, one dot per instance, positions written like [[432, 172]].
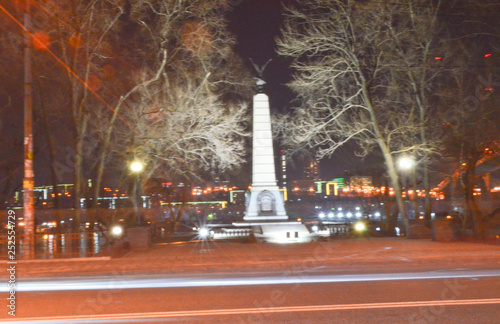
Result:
[[265, 211]]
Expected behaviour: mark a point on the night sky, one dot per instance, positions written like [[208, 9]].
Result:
[[256, 23]]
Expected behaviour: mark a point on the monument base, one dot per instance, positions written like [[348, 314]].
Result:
[[266, 204], [280, 232]]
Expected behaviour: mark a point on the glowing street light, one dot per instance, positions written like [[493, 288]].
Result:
[[360, 227], [406, 163], [204, 233], [136, 167], [117, 231]]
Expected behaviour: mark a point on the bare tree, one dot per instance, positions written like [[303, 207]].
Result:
[[187, 41], [11, 94], [74, 45], [98, 61], [471, 133], [351, 60], [418, 47], [183, 114], [184, 129]]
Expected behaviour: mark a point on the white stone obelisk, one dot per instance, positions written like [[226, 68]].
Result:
[[266, 203], [265, 212]]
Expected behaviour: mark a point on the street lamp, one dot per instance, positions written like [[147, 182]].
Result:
[[408, 164], [137, 167]]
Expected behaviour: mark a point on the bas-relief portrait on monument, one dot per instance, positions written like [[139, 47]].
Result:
[[266, 203]]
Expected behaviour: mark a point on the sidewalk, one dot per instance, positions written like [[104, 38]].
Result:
[[344, 255]]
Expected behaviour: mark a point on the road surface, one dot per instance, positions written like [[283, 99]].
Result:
[[447, 296]]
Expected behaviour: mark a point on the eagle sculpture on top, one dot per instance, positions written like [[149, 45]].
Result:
[[259, 79]]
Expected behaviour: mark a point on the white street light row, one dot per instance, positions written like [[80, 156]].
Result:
[[341, 215]]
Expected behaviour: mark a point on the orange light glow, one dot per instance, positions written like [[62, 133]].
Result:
[[108, 71], [41, 40], [75, 41], [196, 37], [93, 83]]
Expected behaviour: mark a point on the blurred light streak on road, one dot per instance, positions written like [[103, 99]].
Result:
[[139, 317], [168, 282]]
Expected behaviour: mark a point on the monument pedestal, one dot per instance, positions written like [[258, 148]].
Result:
[[266, 204], [280, 232], [266, 209]]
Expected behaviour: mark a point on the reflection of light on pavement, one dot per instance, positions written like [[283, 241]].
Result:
[[125, 318], [180, 242], [165, 282]]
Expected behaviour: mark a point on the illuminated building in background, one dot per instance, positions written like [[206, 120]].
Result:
[[361, 182], [284, 181], [330, 188], [311, 170], [303, 188]]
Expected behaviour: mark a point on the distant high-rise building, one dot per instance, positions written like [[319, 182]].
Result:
[[284, 181], [311, 170]]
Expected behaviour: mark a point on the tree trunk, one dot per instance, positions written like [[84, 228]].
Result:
[[428, 200], [53, 174], [179, 215], [393, 175], [425, 167], [386, 152], [116, 111], [415, 195], [472, 214], [78, 170]]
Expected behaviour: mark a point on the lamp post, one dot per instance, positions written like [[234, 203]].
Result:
[[137, 167], [408, 164], [29, 175]]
